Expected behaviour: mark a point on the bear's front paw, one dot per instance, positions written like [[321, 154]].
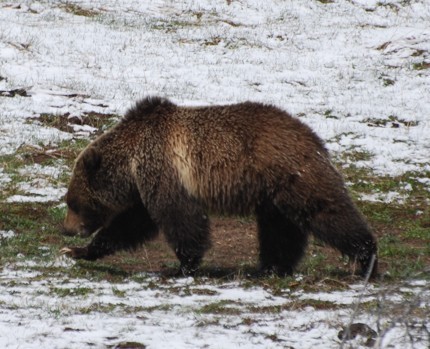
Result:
[[76, 252]]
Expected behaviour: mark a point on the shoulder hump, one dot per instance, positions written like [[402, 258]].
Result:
[[147, 106]]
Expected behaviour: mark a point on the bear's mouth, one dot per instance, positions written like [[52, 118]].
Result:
[[86, 232], [83, 231]]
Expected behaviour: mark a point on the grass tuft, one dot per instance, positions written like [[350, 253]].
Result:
[[78, 10], [421, 66]]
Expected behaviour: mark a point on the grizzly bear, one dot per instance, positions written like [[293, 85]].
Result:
[[166, 167]]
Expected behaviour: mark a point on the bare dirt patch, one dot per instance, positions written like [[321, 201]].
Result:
[[66, 122], [234, 247], [234, 252]]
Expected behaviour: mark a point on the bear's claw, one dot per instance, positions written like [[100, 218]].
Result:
[[75, 252], [66, 251]]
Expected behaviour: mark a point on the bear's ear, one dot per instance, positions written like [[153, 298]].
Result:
[[92, 159]]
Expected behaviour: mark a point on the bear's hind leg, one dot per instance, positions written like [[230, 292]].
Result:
[[341, 226], [282, 242]]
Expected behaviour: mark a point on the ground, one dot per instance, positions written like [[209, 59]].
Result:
[[234, 250], [234, 246], [357, 72]]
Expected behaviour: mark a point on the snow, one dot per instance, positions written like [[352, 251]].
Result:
[[4, 178], [171, 314], [37, 184], [391, 196], [306, 57], [348, 69], [6, 234]]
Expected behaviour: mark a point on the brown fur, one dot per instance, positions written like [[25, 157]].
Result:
[[175, 164]]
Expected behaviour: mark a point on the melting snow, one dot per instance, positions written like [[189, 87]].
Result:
[[72, 313]]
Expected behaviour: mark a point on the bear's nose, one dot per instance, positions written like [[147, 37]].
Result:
[[67, 232]]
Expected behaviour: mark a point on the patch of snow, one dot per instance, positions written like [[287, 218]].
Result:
[[6, 234], [38, 190], [4, 178], [389, 197], [83, 130], [39, 187], [425, 181], [36, 171]]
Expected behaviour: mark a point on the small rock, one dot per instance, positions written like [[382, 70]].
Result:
[[358, 329], [130, 345]]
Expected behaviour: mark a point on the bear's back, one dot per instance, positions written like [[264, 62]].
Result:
[[222, 154]]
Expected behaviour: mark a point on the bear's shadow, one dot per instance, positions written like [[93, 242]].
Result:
[[213, 272], [170, 271], [250, 273], [206, 271]]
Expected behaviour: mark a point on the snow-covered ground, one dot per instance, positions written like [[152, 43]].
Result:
[[356, 71], [351, 69], [40, 312]]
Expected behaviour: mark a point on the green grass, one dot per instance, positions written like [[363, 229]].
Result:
[[35, 225], [222, 307], [418, 232], [421, 66], [227, 308], [98, 308], [403, 230], [75, 291], [118, 292], [392, 121], [328, 114]]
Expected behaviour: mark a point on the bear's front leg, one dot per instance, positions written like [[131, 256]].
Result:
[[78, 253], [186, 227], [127, 231], [189, 264], [102, 245]]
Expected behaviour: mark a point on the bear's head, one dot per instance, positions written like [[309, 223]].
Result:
[[91, 200]]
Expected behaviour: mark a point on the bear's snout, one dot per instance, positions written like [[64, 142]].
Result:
[[67, 232], [73, 225]]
